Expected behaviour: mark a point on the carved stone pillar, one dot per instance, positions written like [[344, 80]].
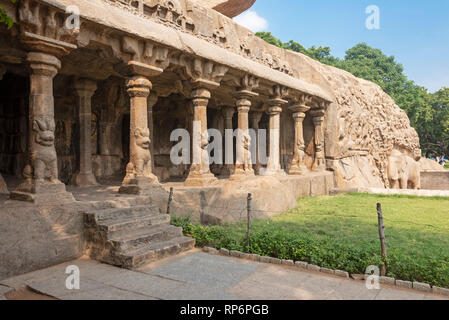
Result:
[[274, 111], [139, 169], [243, 165], [152, 100], [228, 113], [254, 118], [318, 119], [200, 174], [85, 89], [297, 165], [41, 183], [204, 76]]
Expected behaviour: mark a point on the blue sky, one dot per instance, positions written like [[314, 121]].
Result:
[[416, 32]]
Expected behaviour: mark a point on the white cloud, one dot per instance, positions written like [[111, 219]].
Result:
[[252, 21]]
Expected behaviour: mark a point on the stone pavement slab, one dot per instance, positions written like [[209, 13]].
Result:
[[197, 275]]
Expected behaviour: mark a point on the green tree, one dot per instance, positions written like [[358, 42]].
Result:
[[428, 113], [4, 18], [268, 37], [371, 64], [434, 132]]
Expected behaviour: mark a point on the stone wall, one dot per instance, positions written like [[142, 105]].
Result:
[[36, 237], [435, 180]]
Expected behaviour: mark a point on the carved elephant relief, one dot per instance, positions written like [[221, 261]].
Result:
[[403, 171]]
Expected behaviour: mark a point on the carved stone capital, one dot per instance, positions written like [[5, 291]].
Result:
[[317, 114], [299, 116], [85, 87], [228, 113], [45, 28], [243, 105], [274, 110], [255, 116], [200, 97], [138, 86], [43, 64], [203, 73], [246, 84], [278, 92], [299, 108], [146, 58]]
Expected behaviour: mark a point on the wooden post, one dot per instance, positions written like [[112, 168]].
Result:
[[203, 204], [248, 236], [383, 243], [170, 199]]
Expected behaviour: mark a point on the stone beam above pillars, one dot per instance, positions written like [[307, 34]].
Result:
[[85, 89], [274, 111], [299, 109]]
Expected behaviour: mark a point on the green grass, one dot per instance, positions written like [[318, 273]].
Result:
[[341, 232], [446, 165]]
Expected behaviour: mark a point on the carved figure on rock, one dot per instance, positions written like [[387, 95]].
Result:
[[141, 154], [204, 153], [43, 158], [403, 171]]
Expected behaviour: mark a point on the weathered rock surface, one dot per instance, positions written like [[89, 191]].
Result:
[[430, 165], [230, 8], [367, 128]]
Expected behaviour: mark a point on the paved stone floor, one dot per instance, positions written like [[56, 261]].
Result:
[[199, 276]]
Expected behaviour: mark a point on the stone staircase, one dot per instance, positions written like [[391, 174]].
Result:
[[133, 236]]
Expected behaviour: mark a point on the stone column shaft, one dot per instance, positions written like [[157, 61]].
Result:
[[318, 120], [3, 187], [228, 113], [254, 121], [243, 164], [274, 160], [139, 169], [298, 166], [152, 100], [85, 89], [200, 174]]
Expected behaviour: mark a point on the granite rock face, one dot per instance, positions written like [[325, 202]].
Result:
[[230, 8], [368, 129]]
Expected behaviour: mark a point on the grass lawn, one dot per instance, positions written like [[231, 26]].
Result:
[[341, 232]]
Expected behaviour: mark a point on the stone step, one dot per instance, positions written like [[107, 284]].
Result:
[[97, 217], [133, 259], [133, 239], [136, 222]]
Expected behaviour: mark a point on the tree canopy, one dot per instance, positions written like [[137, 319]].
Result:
[[428, 113], [4, 18]]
